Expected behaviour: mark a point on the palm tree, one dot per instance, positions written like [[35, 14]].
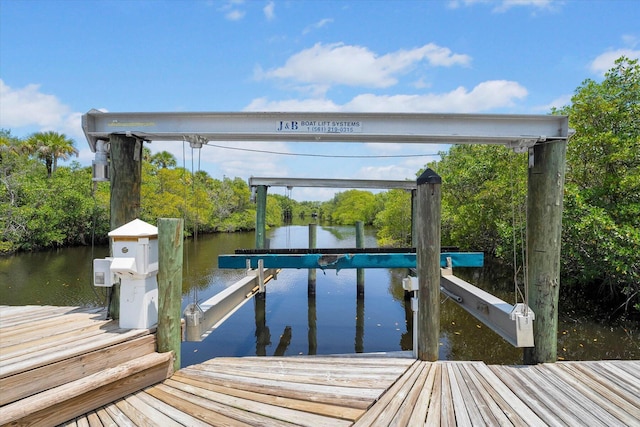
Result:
[[49, 147], [164, 160]]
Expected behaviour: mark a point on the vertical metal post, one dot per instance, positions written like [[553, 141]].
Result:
[[360, 271], [125, 172], [544, 232], [261, 216], [428, 220], [170, 256], [313, 239]]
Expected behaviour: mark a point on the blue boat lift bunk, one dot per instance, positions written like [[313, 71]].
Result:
[[342, 258], [514, 323]]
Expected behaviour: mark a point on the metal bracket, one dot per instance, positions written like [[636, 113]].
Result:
[[523, 144], [196, 141]]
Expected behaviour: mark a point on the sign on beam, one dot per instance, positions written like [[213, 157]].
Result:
[[342, 261]]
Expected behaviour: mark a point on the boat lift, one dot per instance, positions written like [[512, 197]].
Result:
[[514, 323]]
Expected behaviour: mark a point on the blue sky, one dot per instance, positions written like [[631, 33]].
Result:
[[61, 58]]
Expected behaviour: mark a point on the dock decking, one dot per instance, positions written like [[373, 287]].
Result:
[[57, 362], [369, 390], [380, 391]]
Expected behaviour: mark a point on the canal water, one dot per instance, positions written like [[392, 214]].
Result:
[[288, 322]]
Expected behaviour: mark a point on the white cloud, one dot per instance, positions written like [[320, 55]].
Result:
[[232, 11], [504, 5], [321, 23], [486, 96], [269, 11], [340, 64], [318, 104], [30, 109], [605, 61], [558, 102]]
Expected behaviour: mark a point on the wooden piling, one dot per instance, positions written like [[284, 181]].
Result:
[[125, 172], [428, 219], [360, 271], [544, 232], [261, 216], [170, 256]]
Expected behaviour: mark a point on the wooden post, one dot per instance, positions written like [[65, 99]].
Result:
[[428, 262], [125, 172], [170, 256], [544, 232], [313, 239], [360, 271], [261, 216], [414, 209]]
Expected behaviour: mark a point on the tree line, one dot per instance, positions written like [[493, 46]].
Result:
[[483, 196]]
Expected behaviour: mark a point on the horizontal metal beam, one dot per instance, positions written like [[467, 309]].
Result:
[[202, 318], [332, 183], [514, 323], [200, 127], [347, 260]]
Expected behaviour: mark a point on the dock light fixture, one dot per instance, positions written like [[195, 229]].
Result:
[[100, 164]]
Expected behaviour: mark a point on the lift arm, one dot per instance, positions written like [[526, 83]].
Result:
[[514, 323]]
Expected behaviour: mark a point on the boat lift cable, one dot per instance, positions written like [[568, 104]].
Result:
[[330, 156], [516, 221]]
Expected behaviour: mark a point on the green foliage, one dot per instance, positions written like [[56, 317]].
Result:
[[601, 224], [45, 208], [350, 206], [483, 197], [393, 221]]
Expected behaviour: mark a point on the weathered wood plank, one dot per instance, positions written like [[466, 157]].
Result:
[[476, 407], [118, 417], [463, 418], [526, 392], [447, 408], [105, 418], [57, 324], [319, 393], [584, 405], [70, 400], [611, 389], [167, 409], [45, 377], [565, 403], [405, 411], [29, 314], [355, 379], [335, 411], [144, 415], [55, 354], [383, 411], [500, 412], [601, 396], [210, 412], [258, 408], [418, 414], [94, 420], [434, 412], [514, 407]]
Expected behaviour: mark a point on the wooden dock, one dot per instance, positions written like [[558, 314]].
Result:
[[368, 390], [56, 362]]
